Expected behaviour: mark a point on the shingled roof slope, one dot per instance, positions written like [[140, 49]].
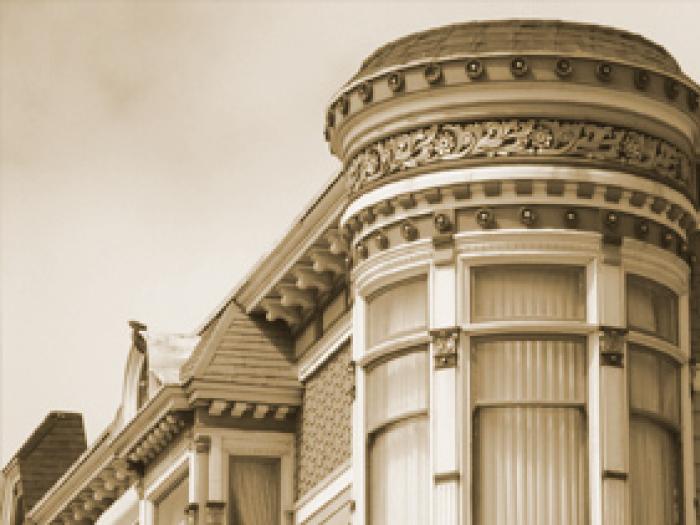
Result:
[[520, 36], [245, 351]]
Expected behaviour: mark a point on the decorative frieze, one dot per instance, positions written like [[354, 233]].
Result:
[[595, 142]]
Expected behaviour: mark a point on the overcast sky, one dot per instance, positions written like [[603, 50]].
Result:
[[151, 152]]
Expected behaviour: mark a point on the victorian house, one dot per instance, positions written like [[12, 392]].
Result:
[[488, 318]]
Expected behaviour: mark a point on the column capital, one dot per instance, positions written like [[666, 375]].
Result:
[[445, 342], [202, 443]]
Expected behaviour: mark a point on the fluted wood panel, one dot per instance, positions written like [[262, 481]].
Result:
[[503, 292], [402, 307], [400, 474]]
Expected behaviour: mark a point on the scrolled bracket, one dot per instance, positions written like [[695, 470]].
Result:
[[612, 346], [445, 343]]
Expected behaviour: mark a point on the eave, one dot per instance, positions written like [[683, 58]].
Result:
[[105, 471], [314, 247]]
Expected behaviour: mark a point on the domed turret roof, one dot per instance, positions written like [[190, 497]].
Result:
[[507, 37]]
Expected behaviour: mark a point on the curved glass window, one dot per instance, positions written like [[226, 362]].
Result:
[[655, 473], [652, 308], [397, 410], [397, 309]]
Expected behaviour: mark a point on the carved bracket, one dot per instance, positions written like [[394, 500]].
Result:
[[445, 343], [612, 346]]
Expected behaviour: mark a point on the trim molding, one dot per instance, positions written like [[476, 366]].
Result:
[[325, 491], [339, 334]]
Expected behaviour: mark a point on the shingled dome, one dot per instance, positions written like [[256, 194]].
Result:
[[505, 37]]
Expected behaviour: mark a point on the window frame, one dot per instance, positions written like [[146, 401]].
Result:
[[473, 331], [261, 444], [650, 342], [384, 350]]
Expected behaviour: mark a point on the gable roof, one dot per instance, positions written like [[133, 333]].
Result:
[[245, 357]]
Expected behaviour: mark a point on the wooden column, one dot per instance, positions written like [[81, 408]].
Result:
[[614, 404], [444, 415], [216, 503], [199, 480]]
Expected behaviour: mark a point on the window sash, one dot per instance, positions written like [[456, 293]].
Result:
[[655, 472], [654, 385], [528, 292], [652, 308], [397, 386], [397, 309], [399, 473], [530, 431], [255, 487]]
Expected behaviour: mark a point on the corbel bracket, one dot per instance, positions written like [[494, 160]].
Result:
[[612, 346], [445, 343]]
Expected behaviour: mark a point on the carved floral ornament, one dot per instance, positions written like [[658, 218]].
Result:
[[520, 138]]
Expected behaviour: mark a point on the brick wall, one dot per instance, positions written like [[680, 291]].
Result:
[[325, 426]]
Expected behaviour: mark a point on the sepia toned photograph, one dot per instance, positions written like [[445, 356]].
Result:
[[349, 262]]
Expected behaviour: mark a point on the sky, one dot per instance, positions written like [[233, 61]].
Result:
[[151, 152]]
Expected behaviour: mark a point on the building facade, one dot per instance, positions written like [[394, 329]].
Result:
[[488, 317]]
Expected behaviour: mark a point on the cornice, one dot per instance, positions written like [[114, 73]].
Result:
[[313, 224], [105, 463], [676, 91]]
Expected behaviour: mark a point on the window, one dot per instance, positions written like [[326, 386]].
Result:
[[652, 308], [510, 292], [396, 310], [255, 490], [529, 397], [655, 474], [170, 508], [397, 393]]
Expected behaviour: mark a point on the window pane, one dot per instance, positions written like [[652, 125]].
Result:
[[399, 308], [399, 474], [531, 461], [254, 490], [654, 384], [531, 466], [508, 369], [170, 510], [524, 292], [654, 473], [397, 387], [652, 308]]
